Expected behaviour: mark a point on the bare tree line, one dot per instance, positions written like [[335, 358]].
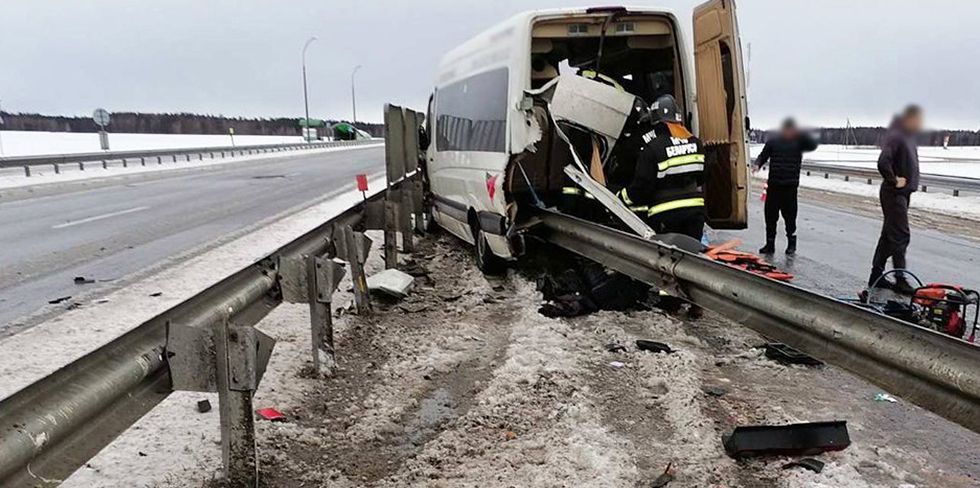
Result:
[[175, 123]]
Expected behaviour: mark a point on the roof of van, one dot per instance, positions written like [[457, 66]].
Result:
[[523, 19]]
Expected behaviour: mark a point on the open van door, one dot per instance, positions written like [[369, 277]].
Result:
[[722, 115]]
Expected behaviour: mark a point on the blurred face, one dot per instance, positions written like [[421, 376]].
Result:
[[790, 132], [914, 123]]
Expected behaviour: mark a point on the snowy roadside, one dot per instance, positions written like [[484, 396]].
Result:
[[45, 175], [967, 207], [464, 384]]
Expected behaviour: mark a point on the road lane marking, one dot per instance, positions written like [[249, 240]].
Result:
[[98, 217]]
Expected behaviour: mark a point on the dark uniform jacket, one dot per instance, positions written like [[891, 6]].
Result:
[[899, 157], [669, 172], [785, 158]]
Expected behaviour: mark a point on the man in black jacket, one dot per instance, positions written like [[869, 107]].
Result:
[[785, 157], [898, 164]]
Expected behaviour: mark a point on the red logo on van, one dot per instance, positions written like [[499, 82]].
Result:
[[491, 184]]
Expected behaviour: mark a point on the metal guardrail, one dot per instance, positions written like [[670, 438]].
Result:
[[937, 372], [207, 343], [926, 181], [56, 161]]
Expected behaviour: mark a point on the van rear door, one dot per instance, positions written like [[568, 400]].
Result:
[[722, 113]]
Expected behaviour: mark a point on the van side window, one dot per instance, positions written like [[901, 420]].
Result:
[[471, 114]]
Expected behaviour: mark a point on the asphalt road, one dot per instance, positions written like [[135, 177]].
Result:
[[836, 246], [109, 231]]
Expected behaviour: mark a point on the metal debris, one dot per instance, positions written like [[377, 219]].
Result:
[[392, 282]]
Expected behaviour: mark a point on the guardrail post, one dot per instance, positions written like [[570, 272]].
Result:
[[405, 217], [356, 255], [200, 156], [826, 176], [235, 356], [869, 181], [175, 158], [925, 189], [847, 178], [105, 165], [57, 169], [81, 166], [391, 234], [808, 173], [188, 157], [956, 192], [125, 165], [27, 171], [222, 154], [159, 159], [323, 276], [143, 161]]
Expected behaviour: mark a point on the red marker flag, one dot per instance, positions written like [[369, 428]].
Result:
[[362, 183]]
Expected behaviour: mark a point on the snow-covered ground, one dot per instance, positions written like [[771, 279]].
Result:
[[464, 384], [29, 143], [963, 161]]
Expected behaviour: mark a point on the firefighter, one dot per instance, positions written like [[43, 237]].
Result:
[[667, 186]]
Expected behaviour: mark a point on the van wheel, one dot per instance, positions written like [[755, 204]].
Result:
[[488, 262], [428, 221]]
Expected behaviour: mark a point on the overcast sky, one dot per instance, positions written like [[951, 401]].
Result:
[[823, 61]]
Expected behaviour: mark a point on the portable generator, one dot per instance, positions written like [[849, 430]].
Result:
[[946, 308], [949, 309]]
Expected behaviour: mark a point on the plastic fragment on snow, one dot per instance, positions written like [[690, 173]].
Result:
[[781, 353], [884, 397], [653, 346], [787, 440], [666, 477], [811, 464], [204, 406], [617, 364], [391, 282], [270, 414]]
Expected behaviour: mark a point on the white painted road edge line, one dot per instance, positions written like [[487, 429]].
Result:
[[98, 217]]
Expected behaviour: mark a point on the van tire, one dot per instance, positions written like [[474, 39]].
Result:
[[429, 222], [488, 262]]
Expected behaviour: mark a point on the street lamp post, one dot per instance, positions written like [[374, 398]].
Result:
[[353, 96], [306, 100]]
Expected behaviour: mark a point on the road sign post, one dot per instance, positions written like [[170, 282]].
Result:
[[101, 118]]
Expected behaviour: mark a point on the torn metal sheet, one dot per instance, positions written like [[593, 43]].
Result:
[[391, 281], [606, 197], [596, 106]]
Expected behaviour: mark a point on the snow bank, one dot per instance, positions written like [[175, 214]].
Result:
[[963, 161], [967, 207]]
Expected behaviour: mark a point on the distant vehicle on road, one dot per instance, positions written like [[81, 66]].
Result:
[[494, 148]]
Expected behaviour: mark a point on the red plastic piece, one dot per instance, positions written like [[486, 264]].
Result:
[[270, 414]]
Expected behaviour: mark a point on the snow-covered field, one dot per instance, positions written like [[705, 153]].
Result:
[[28, 143], [963, 161]]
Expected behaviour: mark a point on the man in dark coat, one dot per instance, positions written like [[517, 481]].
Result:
[[785, 157], [898, 164]]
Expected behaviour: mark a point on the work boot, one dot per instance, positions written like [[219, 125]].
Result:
[[791, 246], [902, 286], [769, 248]]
